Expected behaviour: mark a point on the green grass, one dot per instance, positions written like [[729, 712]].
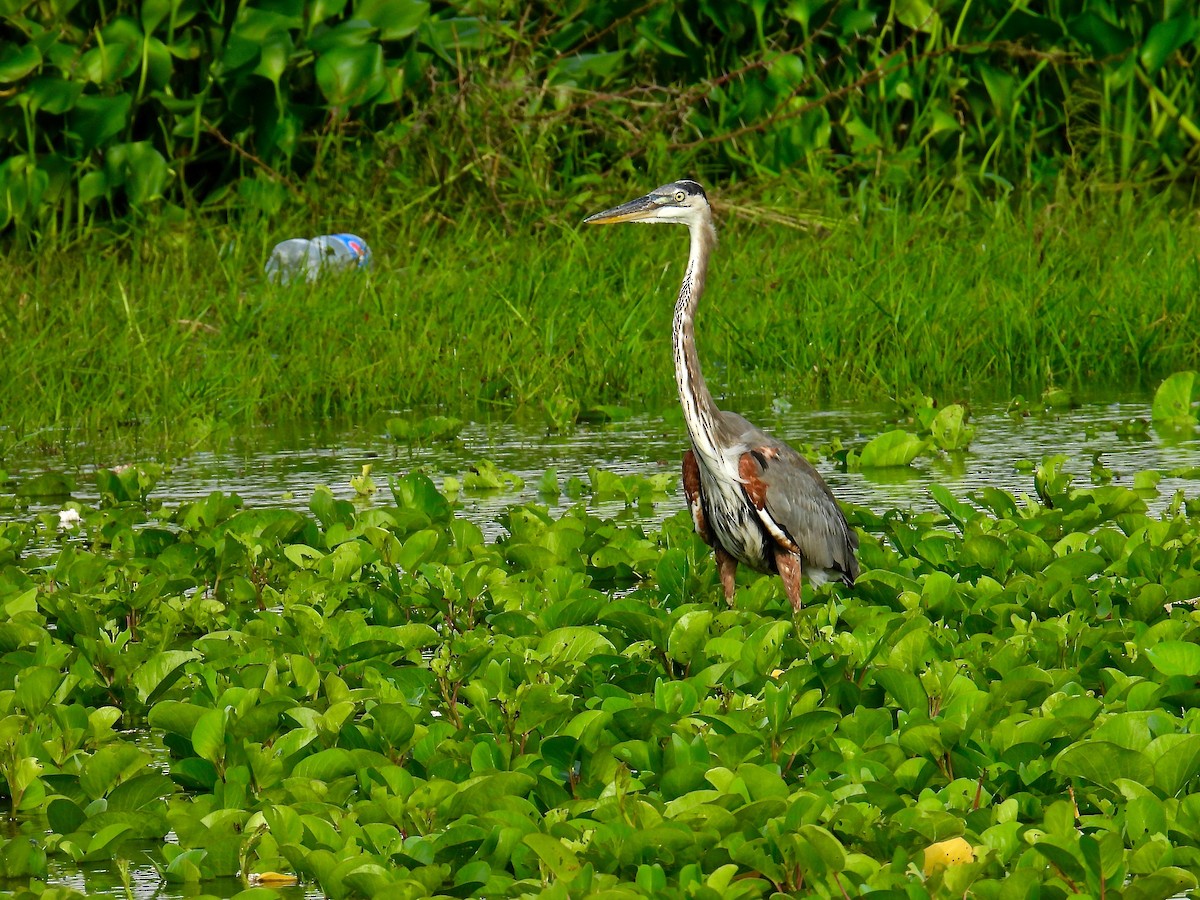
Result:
[[175, 330]]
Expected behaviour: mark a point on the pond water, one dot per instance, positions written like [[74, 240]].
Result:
[[282, 466]]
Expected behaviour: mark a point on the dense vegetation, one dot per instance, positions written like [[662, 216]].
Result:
[[109, 106], [373, 697]]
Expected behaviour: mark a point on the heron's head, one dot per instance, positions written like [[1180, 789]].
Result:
[[681, 202]]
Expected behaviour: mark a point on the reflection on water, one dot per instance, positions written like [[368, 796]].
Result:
[[282, 466], [146, 882]]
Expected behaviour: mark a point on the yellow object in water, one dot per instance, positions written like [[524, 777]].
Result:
[[953, 852], [273, 879]]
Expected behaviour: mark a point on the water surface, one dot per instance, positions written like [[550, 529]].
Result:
[[281, 466]]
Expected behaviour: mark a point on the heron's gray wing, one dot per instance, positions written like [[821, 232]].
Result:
[[792, 498]]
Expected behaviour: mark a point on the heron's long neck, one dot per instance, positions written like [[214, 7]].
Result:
[[699, 411]]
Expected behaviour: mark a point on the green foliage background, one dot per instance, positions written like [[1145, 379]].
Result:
[[118, 106]]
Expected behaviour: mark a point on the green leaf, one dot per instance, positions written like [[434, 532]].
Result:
[[46, 484], [950, 429], [326, 765], [574, 643], [139, 168], [139, 791], [1179, 765], [554, 855], [154, 13], [1160, 885], [1165, 38], [64, 816], [395, 19], [18, 60], [1172, 404], [104, 842], [761, 650], [159, 672], [1175, 658], [1102, 38], [96, 119], [176, 717], [108, 766], [395, 724], [892, 448], [35, 686], [905, 687], [917, 14], [350, 76], [208, 737], [688, 635], [1103, 763], [51, 94]]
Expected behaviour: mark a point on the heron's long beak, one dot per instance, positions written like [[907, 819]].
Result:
[[633, 211]]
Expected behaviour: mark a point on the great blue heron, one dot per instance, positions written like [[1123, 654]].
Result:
[[753, 498]]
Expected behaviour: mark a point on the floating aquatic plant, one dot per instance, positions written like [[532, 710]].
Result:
[[377, 701]]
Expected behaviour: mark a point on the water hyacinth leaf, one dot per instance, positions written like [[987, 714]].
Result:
[[573, 644], [17, 60], [35, 686], [176, 717], [905, 687], [1099, 35], [64, 815], [140, 791], [159, 672], [917, 15], [52, 94], [110, 765], [111, 61], [950, 429], [1074, 568], [95, 119], [892, 448], [1172, 404], [554, 856], [46, 484], [1175, 769], [184, 866], [761, 652], [395, 19], [485, 475], [1175, 658], [154, 12], [350, 76], [1103, 763], [952, 852], [326, 765], [208, 737], [395, 724], [1169, 881], [688, 635], [102, 844], [418, 549], [1165, 38]]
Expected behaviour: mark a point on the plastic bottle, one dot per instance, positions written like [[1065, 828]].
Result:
[[309, 258]]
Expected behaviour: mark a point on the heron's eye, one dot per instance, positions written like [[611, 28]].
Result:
[[680, 196]]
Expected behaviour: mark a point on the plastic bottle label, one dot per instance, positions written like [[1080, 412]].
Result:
[[354, 244]]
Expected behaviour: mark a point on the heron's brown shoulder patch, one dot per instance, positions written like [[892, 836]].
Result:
[[750, 468]]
